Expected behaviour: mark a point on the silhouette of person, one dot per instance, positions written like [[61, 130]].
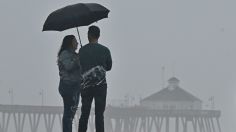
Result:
[[95, 60], [70, 79]]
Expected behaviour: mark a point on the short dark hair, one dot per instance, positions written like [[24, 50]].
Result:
[[94, 31]]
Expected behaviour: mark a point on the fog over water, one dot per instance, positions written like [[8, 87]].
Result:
[[193, 40]]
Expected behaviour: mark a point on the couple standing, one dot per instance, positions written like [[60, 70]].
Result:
[[83, 74]]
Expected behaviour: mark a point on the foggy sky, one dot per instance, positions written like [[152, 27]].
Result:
[[193, 40]]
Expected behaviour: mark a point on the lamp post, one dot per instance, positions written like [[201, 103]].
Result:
[[212, 101], [41, 93], [10, 92]]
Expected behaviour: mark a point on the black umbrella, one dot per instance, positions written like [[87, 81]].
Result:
[[81, 14]]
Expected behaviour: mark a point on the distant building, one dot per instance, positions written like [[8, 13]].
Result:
[[172, 98]]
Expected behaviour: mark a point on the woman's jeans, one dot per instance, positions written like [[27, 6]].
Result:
[[70, 92]]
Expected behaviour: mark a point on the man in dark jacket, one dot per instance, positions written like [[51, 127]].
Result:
[[95, 60]]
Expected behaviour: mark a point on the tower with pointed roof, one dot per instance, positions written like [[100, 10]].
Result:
[[172, 97]]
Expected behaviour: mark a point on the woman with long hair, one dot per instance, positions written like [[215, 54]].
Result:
[[70, 79]]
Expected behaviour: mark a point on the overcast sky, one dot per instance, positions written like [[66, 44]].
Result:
[[193, 39]]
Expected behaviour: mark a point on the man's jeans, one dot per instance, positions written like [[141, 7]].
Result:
[[70, 93], [98, 93]]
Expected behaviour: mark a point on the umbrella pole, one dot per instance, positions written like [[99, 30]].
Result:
[[79, 36]]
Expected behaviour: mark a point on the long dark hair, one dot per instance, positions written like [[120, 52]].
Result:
[[66, 43]]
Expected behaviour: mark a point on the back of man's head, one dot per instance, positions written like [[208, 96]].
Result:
[[94, 32]]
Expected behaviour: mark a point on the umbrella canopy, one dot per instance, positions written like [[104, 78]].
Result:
[[81, 14]]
